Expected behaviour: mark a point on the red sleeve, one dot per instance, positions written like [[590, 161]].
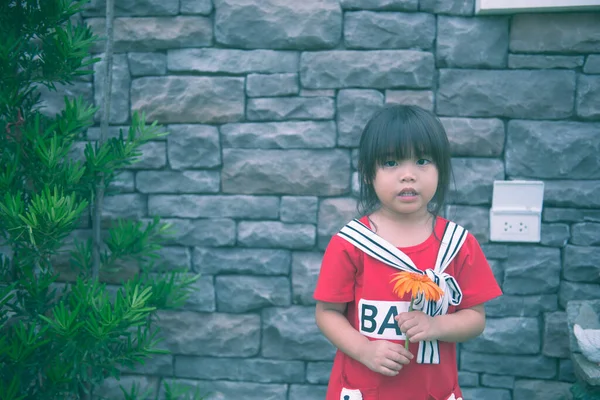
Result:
[[338, 273], [474, 276]]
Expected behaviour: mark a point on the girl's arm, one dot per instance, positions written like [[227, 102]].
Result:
[[460, 326], [381, 356]]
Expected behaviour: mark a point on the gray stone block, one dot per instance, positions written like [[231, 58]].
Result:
[[299, 209], [94, 132], [171, 258], [242, 261], [580, 264], [318, 372], [531, 61], [307, 392], [532, 270], [317, 93], [193, 146], [270, 234], [224, 389], [333, 215], [377, 30], [119, 99], [474, 180], [592, 64], [124, 182], [497, 267], [232, 61], [556, 335], [554, 33], [278, 24], [451, 7], [279, 135], [506, 93], [129, 205], [472, 42], [507, 336], [550, 214], [212, 232], [565, 371], [289, 172], [240, 294], [541, 390], [202, 296], [270, 85], [355, 185], [143, 64], [572, 193], [178, 181], [202, 7], [155, 33], [421, 98], [52, 102], [305, 272], [291, 334], [498, 381], [521, 306], [290, 108], [474, 219], [554, 235], [517, 365], [569, 291], [378, 69], [586, 234], [475, 137], [157, 364], [354, 108], [495, 251], [487, 394], [199, 99], [468, 379], [213, 334], [248, 370], [588, 97], [391, 5], [196, 206], [111, 387], [136, 8], [154, 156]]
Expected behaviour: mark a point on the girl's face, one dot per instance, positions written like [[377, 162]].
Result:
[[405, 187]]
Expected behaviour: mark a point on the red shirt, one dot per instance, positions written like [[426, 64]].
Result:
[[348, 275]]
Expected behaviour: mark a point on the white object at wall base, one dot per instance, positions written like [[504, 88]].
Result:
[[516, 213], [528, 6]]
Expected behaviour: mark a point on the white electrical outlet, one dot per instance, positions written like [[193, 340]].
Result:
[[516, 213], [515, 227]]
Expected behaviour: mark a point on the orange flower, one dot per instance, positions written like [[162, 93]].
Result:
[[414, 283]]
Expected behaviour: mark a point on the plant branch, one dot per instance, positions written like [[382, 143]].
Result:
[[99, 198]]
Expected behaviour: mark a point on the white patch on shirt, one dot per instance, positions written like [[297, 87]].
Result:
[[376, 318], [350, 394]]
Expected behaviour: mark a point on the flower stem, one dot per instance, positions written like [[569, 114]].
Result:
[[410, 308]]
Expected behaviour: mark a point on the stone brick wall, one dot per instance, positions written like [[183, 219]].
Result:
[[265, 101]]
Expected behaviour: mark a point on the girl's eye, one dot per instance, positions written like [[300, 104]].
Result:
[[390, 163], [423, 161]]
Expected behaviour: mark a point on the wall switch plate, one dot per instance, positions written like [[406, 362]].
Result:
[[516, 213]]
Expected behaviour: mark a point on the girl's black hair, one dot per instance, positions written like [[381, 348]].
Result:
[[402, 132]]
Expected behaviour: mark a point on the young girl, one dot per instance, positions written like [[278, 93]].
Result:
[[404, 169]]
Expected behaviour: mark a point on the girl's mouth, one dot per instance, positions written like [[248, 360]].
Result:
[[407, 193]]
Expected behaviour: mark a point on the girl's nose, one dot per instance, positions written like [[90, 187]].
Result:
[[406, 172]]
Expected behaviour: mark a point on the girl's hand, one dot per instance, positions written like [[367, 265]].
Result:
[[418, 326], [384, 357]]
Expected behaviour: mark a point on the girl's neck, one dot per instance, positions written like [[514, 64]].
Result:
[[402, 230]]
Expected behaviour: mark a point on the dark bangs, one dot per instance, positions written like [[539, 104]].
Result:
[[397, 133]]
